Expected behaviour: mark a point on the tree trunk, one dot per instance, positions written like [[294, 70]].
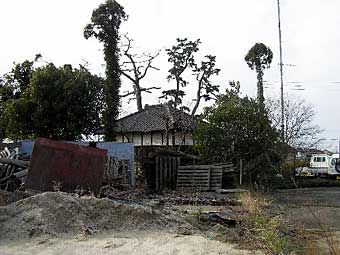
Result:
[[198, 99], [138, 97], [177, 92], [112, 87], [260, 97]]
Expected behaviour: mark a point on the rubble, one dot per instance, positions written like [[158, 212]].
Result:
[[197, 199]]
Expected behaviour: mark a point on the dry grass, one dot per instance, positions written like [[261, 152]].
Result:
[[311, 249], [264, 231], [254, 203]]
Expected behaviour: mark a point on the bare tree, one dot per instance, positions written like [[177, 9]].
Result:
[[300, 132], [135, 67]]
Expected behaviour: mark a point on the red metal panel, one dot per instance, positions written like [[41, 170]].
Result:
[[71, 165]]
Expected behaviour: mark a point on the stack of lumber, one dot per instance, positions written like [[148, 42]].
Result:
[[202, 177]]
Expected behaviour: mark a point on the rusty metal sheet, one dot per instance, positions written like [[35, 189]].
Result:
[[71, 165]]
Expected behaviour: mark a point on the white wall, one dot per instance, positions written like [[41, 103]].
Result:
[[147, 139], [136, 139], [157, 138]]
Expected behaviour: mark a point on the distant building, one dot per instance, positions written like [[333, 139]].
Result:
[[305, 153], [156, 125]]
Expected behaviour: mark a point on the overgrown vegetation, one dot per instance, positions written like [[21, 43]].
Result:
[[263, 229], [259, 57], [236, 128], [104, 26]]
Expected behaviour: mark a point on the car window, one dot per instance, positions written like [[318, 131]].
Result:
[[319, 159]]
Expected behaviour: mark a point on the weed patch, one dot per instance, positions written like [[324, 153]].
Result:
[[264, 230]]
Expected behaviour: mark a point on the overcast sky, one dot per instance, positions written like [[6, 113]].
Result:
[[227, 29]]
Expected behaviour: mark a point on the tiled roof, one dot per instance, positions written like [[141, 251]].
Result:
[[155, 118]]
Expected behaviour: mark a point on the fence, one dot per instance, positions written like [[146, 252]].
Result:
[[166, 172], [202, 177]]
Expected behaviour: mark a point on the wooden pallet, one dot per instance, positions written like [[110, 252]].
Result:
[[202, 177]]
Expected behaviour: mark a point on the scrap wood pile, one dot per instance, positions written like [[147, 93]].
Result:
[[12, 170]]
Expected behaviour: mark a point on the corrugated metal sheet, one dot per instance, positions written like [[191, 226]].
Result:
[[71, 165], [119, 151]]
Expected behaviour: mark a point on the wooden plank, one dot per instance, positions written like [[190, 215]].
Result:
[[178, 162], [165, 161], [161, 173], [173, 172], [169, 171], [195, 167], [193, 181], [212, 176], [209, 178], [193, 185], [157, 174], [193, 170], [192, 175]]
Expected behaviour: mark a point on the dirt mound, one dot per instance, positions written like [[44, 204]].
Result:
[[54, 213]]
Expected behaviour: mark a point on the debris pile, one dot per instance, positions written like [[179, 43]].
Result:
[[197, 198], [13, 170], [55, 213]]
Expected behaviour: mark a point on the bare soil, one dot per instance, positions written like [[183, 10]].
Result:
[[60, 223], [55, 213], [149, 243]]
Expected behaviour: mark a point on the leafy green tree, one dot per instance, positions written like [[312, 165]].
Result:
[[104, 26], [15, 84], [236, 128], [203, 74], [61, 103], [181, 57], [259, 57]]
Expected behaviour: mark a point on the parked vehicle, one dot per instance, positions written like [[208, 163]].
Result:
[[321, 165]]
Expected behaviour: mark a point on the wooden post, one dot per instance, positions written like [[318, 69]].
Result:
[[178, 163], [161, 173], [166, 177], [209, 177], [241, 168], [157, 173], [172, 171]]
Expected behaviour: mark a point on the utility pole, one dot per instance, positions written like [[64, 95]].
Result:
[[281, 74]]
